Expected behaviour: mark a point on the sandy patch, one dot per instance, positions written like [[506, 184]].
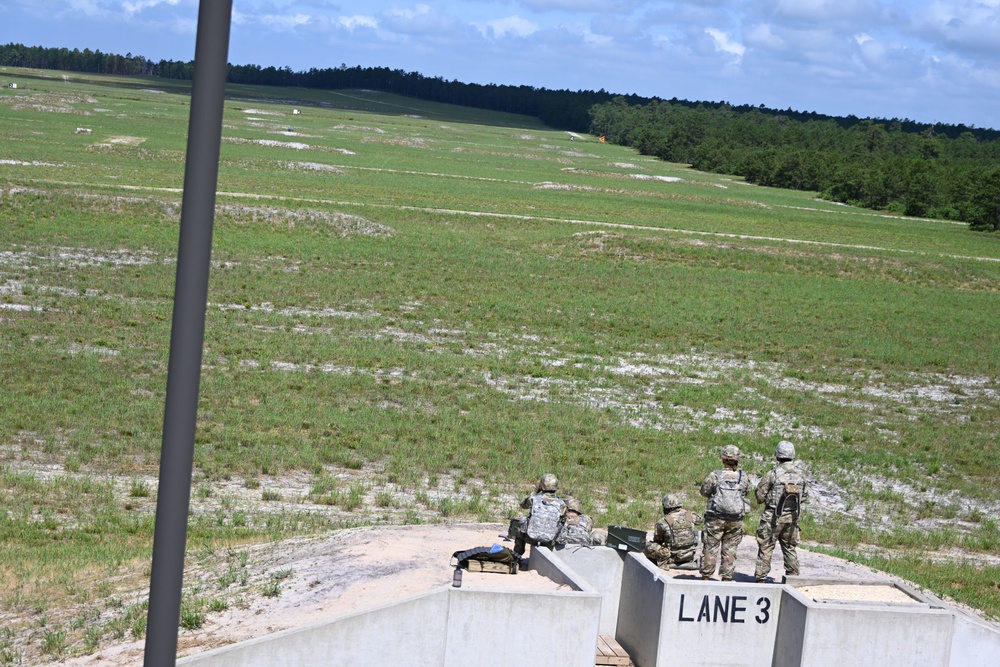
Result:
[[120, 141], [847, 592]]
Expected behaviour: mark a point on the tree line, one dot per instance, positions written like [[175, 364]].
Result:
[[557, 108], [898, 165], [883, 165]]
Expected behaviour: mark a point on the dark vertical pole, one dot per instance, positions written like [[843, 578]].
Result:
[[201, 173]]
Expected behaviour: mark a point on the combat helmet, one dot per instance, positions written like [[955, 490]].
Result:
[[785, 451], [574, 505], [672, 501], [548, 482], [731, 452]]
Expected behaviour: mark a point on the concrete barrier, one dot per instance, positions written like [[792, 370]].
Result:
[[816, 633], [686, 621], [640, 610], [602, 569], [659, 619], [447, 627], [974, 643], [386, 636], [521, 627]]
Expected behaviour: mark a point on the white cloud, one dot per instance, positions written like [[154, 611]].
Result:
[[862, 38], [87, 8], [967, 25], [283, 22], [725, 43], [136, 7], [575, 6], [762, 35], [357, 21], [514, 26], [827, 10]]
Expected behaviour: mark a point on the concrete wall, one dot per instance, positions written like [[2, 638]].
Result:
[[446, 627], [602, 569], [547, 563], [718, 624], [665, 621], [640, 610], [817, 634], [521, 627], [659, 620], [386, 636], [974, 643]]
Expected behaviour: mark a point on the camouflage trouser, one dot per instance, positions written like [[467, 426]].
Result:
[[729, 534], [664, 557], [786, 533], [518, 531]]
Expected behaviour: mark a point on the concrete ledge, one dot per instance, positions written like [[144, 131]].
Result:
[[660, 618], [974, 642], [359, 638], [548, 564], [451, 627], [555, 628], [602, 569], [640, 610], [816, 634]]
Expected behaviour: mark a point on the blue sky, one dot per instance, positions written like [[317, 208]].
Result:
[[926, 60]]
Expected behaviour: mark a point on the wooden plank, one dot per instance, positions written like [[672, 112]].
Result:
[[610, 652]]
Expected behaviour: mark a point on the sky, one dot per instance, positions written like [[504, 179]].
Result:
[[923, 60]]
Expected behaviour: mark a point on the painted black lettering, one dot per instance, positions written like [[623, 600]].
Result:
[[764, 614], [724, 608], [703, 613], [737, 609], [680, 615]]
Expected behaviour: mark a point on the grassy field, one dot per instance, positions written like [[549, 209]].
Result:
[[417, 309]]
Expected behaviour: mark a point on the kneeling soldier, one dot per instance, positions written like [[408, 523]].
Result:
[[675, 537], [579, 528]]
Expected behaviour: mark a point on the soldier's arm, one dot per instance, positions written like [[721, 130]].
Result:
[[764, 487], [526, 503], [659, 533], [708, 486]]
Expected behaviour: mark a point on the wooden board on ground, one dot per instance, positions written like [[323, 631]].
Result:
[[610, 652]]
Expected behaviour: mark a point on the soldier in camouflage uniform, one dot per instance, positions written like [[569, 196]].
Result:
[[675, 537], [781, 491], [727, 491], [579, 528], [545, 492]]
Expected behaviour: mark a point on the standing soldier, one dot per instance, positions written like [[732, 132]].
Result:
[[782, 492], [727, 491], [675, 537]]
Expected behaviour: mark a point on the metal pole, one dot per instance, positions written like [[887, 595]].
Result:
[[201, 172]]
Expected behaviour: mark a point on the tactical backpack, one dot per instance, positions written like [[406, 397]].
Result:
[[545, 520], [576, 533], [786, 494], [497, 558], [682, 532], [728, 499]]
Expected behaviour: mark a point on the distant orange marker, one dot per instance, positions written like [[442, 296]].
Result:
[[601, 139]]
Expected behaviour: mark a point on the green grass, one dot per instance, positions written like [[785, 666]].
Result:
[[405, 293]]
